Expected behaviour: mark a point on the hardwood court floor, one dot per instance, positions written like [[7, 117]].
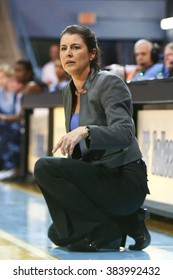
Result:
[[24, 220], [12, 248]]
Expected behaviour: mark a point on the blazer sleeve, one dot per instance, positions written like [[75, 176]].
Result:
[[115, 98]]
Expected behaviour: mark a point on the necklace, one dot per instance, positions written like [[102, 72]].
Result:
[[80, 92]]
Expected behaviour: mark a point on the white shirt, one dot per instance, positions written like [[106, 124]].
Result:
[[48, 73]]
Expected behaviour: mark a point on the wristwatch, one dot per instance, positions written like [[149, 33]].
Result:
[[88, 132]]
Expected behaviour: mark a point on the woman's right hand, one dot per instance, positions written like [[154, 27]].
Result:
[[67, 143]]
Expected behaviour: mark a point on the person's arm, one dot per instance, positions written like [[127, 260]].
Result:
[[67, 143], [119, 132], [12, 118]]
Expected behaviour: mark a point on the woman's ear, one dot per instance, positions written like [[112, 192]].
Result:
[[93, 54]]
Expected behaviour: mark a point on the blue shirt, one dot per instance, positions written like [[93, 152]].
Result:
[[74, 121], [151, 73], [10, 104]]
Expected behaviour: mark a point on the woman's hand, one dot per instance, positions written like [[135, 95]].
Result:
[[68, 141]]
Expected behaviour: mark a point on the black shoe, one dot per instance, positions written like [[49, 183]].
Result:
[[85, 245], [104, 237], [134, 226]]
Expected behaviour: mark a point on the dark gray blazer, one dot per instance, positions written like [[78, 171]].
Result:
[[107, 110]]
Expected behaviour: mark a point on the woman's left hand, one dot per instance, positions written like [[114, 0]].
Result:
[[68, 141]]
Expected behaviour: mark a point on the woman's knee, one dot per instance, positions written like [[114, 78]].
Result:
[[40, 165]]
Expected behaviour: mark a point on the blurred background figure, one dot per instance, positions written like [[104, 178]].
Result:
[[147, 57], [10, 117], [14, 83], [121, 71], [25, 75], [62, 78], [48, 70], [117, 70], [168, 60]]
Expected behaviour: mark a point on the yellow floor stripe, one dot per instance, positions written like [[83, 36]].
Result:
[[29, 188], [12, 247]]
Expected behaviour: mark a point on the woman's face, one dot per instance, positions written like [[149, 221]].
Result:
[[74, 55]]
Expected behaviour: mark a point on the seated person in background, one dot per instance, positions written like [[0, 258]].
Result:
[[10, 116], [117, 70], [147, 57], [24, 74], [168, 60], [48, 71], [3, 66], [62, 77]]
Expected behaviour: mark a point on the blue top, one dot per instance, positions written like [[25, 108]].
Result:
[[10, 104], [151, 73], [74, 123]]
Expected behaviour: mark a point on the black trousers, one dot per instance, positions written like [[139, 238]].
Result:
[[81, 196]]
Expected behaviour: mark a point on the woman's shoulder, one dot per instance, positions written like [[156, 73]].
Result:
[[105, 77], [105, 74]]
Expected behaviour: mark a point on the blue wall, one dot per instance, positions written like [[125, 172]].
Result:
[[115, 19]]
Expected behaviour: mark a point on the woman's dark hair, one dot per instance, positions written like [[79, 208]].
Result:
[[89, 39]]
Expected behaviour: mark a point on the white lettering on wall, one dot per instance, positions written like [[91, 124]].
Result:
[[146, 146], [160, 157]]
